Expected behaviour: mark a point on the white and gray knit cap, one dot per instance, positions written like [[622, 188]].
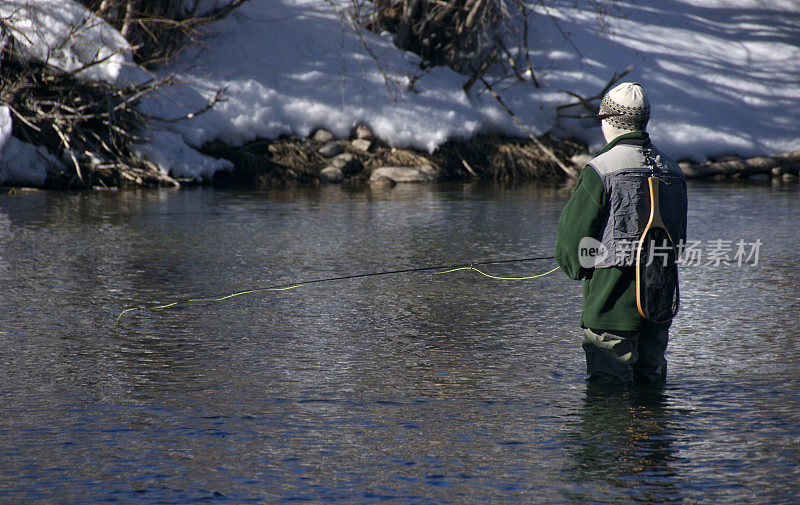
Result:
[[626, 107]]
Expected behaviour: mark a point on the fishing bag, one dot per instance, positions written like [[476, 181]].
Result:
[[657, 289]]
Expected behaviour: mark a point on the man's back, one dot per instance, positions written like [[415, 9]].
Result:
[[609, 209], [624, 170]]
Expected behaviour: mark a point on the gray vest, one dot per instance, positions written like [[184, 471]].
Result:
[[624, 170]]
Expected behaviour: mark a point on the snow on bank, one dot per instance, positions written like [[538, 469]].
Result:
[[173, 157], [723, 76], [290, 66], [21, 163], [65, 35]]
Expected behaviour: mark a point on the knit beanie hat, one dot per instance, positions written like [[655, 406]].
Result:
[[626, 107]]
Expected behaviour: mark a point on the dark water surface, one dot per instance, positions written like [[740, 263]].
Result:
[[412, 388]]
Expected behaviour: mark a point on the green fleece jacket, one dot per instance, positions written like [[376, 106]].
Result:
[[609, 294]]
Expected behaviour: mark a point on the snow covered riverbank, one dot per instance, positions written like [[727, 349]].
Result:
[[723, 77]]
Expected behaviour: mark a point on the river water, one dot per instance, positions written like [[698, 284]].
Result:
[[406, 388]]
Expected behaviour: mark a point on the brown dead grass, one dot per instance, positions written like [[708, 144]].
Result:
[[296, 160]]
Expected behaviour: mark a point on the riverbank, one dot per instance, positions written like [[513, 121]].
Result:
[[243, 102], [365, 159], [321, 158]]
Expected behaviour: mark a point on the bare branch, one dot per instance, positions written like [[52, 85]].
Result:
[[68, 149], [586, 103], [478, 74], [567, 170], [128, 20]]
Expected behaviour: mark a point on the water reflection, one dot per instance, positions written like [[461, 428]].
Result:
[[623, 445]]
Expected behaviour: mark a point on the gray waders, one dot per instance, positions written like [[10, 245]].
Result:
[[623, 357]]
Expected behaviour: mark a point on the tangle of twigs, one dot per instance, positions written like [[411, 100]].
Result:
[[92, 126]]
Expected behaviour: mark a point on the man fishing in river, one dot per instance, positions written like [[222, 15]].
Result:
[[599, 239]]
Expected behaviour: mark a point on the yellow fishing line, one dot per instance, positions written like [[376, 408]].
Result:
[[213, 299], [240, 293], [495, 276], [286, 288], [128, 310], [165, 306]]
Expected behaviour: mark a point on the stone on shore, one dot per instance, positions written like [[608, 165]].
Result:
[[580, 160], [342, 160], [424, 173], [361, 145], [348, 163], [322, 136], [382, 182], [331, 174], [330, 149], [362, 131]]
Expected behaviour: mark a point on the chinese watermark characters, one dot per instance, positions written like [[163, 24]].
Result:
[[713, 253]]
